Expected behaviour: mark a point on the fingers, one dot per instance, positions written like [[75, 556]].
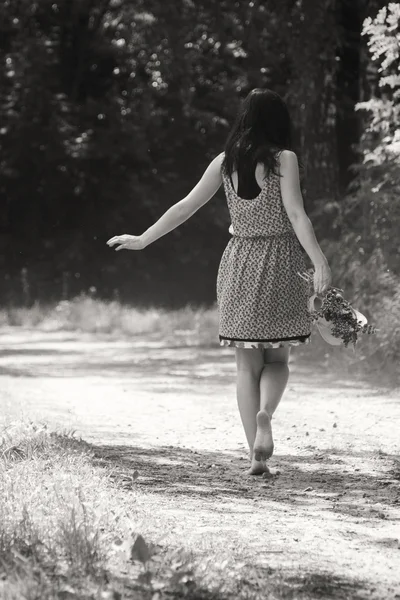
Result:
[[126, 242], [117, 239], [320, 287]]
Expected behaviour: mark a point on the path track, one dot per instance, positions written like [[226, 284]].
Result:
[[329, 519]]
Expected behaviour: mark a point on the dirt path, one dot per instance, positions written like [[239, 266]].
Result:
[[329, 519]]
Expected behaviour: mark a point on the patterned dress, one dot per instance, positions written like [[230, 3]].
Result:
[[261, 299]]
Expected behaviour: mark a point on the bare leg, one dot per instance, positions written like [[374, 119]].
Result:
[[273, 380], [250, 363]]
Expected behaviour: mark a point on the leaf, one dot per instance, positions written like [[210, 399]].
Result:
[[145, 577], [140, 550]]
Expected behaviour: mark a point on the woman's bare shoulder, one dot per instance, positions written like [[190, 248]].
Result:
[[288, 157], [217, 162]]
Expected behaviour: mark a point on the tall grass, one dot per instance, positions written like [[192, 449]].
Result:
[[87, 314], [65, 530], [68, 532], [53, 506], [375, 290], [375, 354]]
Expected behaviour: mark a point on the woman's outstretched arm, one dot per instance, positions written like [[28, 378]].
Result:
[[178, 213]]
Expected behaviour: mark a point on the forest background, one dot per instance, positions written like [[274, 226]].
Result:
[[110, 110]]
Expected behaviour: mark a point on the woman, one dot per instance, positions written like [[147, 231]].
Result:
[[261, 299]]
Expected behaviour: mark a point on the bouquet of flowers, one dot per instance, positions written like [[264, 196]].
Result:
[[337, 321]]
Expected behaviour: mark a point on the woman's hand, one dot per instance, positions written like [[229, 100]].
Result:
[[127, 242], [322, 277]]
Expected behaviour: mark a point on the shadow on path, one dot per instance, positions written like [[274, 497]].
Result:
[[300, 480], [327, 586], [256, 583], [217, 479]]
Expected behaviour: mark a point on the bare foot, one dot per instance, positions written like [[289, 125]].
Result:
[[264, 443], [258, 467]]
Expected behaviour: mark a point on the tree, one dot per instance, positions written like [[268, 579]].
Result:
[[110, 112], [371, 214]]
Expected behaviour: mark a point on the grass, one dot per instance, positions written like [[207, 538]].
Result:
[[52, 510], [375, 355], [67, 532], [91, 315]]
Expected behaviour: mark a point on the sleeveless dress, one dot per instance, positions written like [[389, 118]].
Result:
[[262, 301]]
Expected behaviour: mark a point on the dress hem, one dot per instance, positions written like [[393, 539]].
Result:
[[274, 343]]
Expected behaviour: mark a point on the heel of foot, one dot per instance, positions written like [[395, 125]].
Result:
[[263, 444], [258, 468], [263, 419], [264, 454]]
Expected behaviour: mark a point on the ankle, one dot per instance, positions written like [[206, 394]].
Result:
[[268, 412], [251, 455]]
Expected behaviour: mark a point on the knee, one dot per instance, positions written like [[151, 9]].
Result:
[[277, 355], [249, 362], [278, 361], [253, 371]]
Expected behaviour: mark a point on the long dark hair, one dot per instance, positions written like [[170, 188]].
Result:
[[262, 128]]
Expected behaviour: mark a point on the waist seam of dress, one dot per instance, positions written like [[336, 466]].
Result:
[[264, 235]]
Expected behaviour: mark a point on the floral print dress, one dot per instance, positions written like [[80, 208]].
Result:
[[262, 301]]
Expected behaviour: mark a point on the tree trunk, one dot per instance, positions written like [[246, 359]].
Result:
[[348, 125]]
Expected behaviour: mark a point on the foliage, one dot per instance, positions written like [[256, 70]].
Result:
[[188, 325], [367, 258], [66, 530], [336, 314], [111, 110], [379, 173]]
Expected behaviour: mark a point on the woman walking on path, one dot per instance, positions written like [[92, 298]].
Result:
[[262, 301]]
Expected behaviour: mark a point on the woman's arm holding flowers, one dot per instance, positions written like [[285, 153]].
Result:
[[294, 205], [178, 213]]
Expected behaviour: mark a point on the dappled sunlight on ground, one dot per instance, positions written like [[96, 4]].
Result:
[[165, 419]]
